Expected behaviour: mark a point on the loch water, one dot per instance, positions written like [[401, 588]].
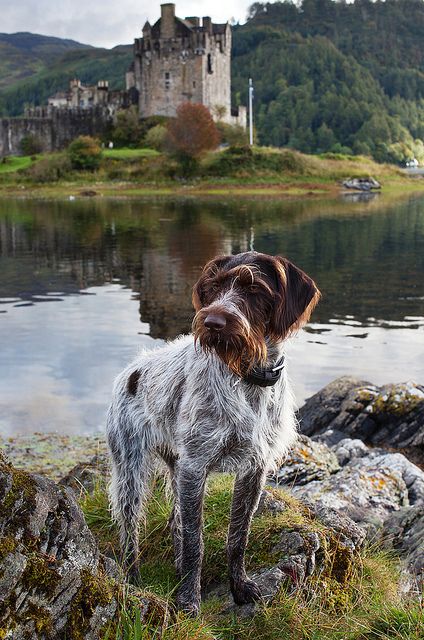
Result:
[[85, 284]]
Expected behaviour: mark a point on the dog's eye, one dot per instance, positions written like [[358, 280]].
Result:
[[214, 287], [253, 288]]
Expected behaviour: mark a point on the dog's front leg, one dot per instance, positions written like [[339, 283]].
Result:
[[191, 488], [247, 491]]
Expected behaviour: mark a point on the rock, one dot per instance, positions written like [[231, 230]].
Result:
[[84, 477], [268, 502], [54, 583], [391, 416], [361, 184], [307, 461], [404, 531], [365, 489], [325, 544]]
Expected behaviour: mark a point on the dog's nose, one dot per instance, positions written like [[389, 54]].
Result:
[[215, 322]]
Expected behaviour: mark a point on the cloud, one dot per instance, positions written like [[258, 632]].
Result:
[[104, 22]]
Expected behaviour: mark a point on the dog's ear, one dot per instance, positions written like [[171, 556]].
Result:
[[210, 270], [296, 297]]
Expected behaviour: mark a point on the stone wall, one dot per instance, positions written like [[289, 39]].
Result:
[[55, 128]]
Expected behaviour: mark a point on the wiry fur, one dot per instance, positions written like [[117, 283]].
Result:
[[186, 404]]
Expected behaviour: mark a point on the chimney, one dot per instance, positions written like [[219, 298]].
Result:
[[207, 24], [167, 20], [193, 20]]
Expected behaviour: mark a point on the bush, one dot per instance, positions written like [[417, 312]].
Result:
[[49, 169], [31, 145], [156, 137], [128, 130], [191, 134], [85, 153], [234, 135]]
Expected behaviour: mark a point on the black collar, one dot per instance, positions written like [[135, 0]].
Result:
[[265, 376]]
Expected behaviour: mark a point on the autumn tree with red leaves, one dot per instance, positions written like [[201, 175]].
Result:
[[191, 134]]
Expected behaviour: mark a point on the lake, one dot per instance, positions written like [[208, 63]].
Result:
[[85, 284]]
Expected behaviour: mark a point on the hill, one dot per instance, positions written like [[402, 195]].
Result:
[[24, 54], [336, 76]]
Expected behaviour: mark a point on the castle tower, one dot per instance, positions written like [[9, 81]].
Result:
[[180, 61]]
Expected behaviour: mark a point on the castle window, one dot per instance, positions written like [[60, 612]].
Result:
[[194, 84], [210, 63], [167, 80]]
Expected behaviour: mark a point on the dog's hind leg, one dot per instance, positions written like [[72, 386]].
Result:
[[129, 488], [247, 491]]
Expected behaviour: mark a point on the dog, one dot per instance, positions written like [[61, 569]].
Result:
[[216, 400]]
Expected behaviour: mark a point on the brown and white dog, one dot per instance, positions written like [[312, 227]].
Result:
[[218, 399]]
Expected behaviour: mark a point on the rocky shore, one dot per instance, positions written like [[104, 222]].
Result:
[[352, 482]]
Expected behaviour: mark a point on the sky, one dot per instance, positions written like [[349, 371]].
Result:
[[105, 23]]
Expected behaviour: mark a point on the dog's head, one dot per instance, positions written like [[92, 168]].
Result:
[[245, 299]]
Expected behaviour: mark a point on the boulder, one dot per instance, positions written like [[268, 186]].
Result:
[[361, 184], [54, 583], [391, 416], [404, 532]]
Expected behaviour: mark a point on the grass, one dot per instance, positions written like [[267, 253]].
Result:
[[243, 172], [14, 163], [356, 601], [125, 154]]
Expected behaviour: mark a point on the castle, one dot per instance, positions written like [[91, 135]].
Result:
[[180, 61], [175, 61]]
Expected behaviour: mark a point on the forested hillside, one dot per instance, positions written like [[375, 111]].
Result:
[[336, 76], [23, 54], [33, 67], [328, 76]]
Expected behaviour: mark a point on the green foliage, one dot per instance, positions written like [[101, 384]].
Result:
[[31, 145], [127, 132], [322, 83], [232, 135], [51, 168], [85, 153], [156, 137]]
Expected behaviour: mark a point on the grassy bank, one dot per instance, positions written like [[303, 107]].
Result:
[[360, 601], [241, 171], [353, 597]]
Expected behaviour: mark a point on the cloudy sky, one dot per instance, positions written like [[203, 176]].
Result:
[[104, 22]]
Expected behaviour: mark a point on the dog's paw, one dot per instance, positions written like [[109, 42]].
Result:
[[245, 592]]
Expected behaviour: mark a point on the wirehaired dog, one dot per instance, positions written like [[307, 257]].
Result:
[[215, 400]]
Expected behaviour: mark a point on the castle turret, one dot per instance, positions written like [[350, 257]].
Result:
[[167, 20]]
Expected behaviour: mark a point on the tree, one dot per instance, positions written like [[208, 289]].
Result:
[[31, 145], [128, 130], [85, 153], [191, 134]]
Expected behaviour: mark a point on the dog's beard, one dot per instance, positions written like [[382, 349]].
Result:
[[239, 345]]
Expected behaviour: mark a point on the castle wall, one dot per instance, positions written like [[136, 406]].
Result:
[[55, 128], [216, 75]]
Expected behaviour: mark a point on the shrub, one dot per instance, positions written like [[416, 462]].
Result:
[[234, 135], [156, 137], [85, 153], [49, 169], [191, 134], [31, 145], [128, 130]]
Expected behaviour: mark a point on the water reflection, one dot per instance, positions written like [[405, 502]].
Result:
[[112, 270]]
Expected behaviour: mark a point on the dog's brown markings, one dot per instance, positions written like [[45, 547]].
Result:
[[132, 383]]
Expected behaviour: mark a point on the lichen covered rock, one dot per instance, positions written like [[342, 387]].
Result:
[[54, 583], [389, 416]]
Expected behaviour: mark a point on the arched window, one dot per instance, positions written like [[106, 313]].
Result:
[[210, 63]]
